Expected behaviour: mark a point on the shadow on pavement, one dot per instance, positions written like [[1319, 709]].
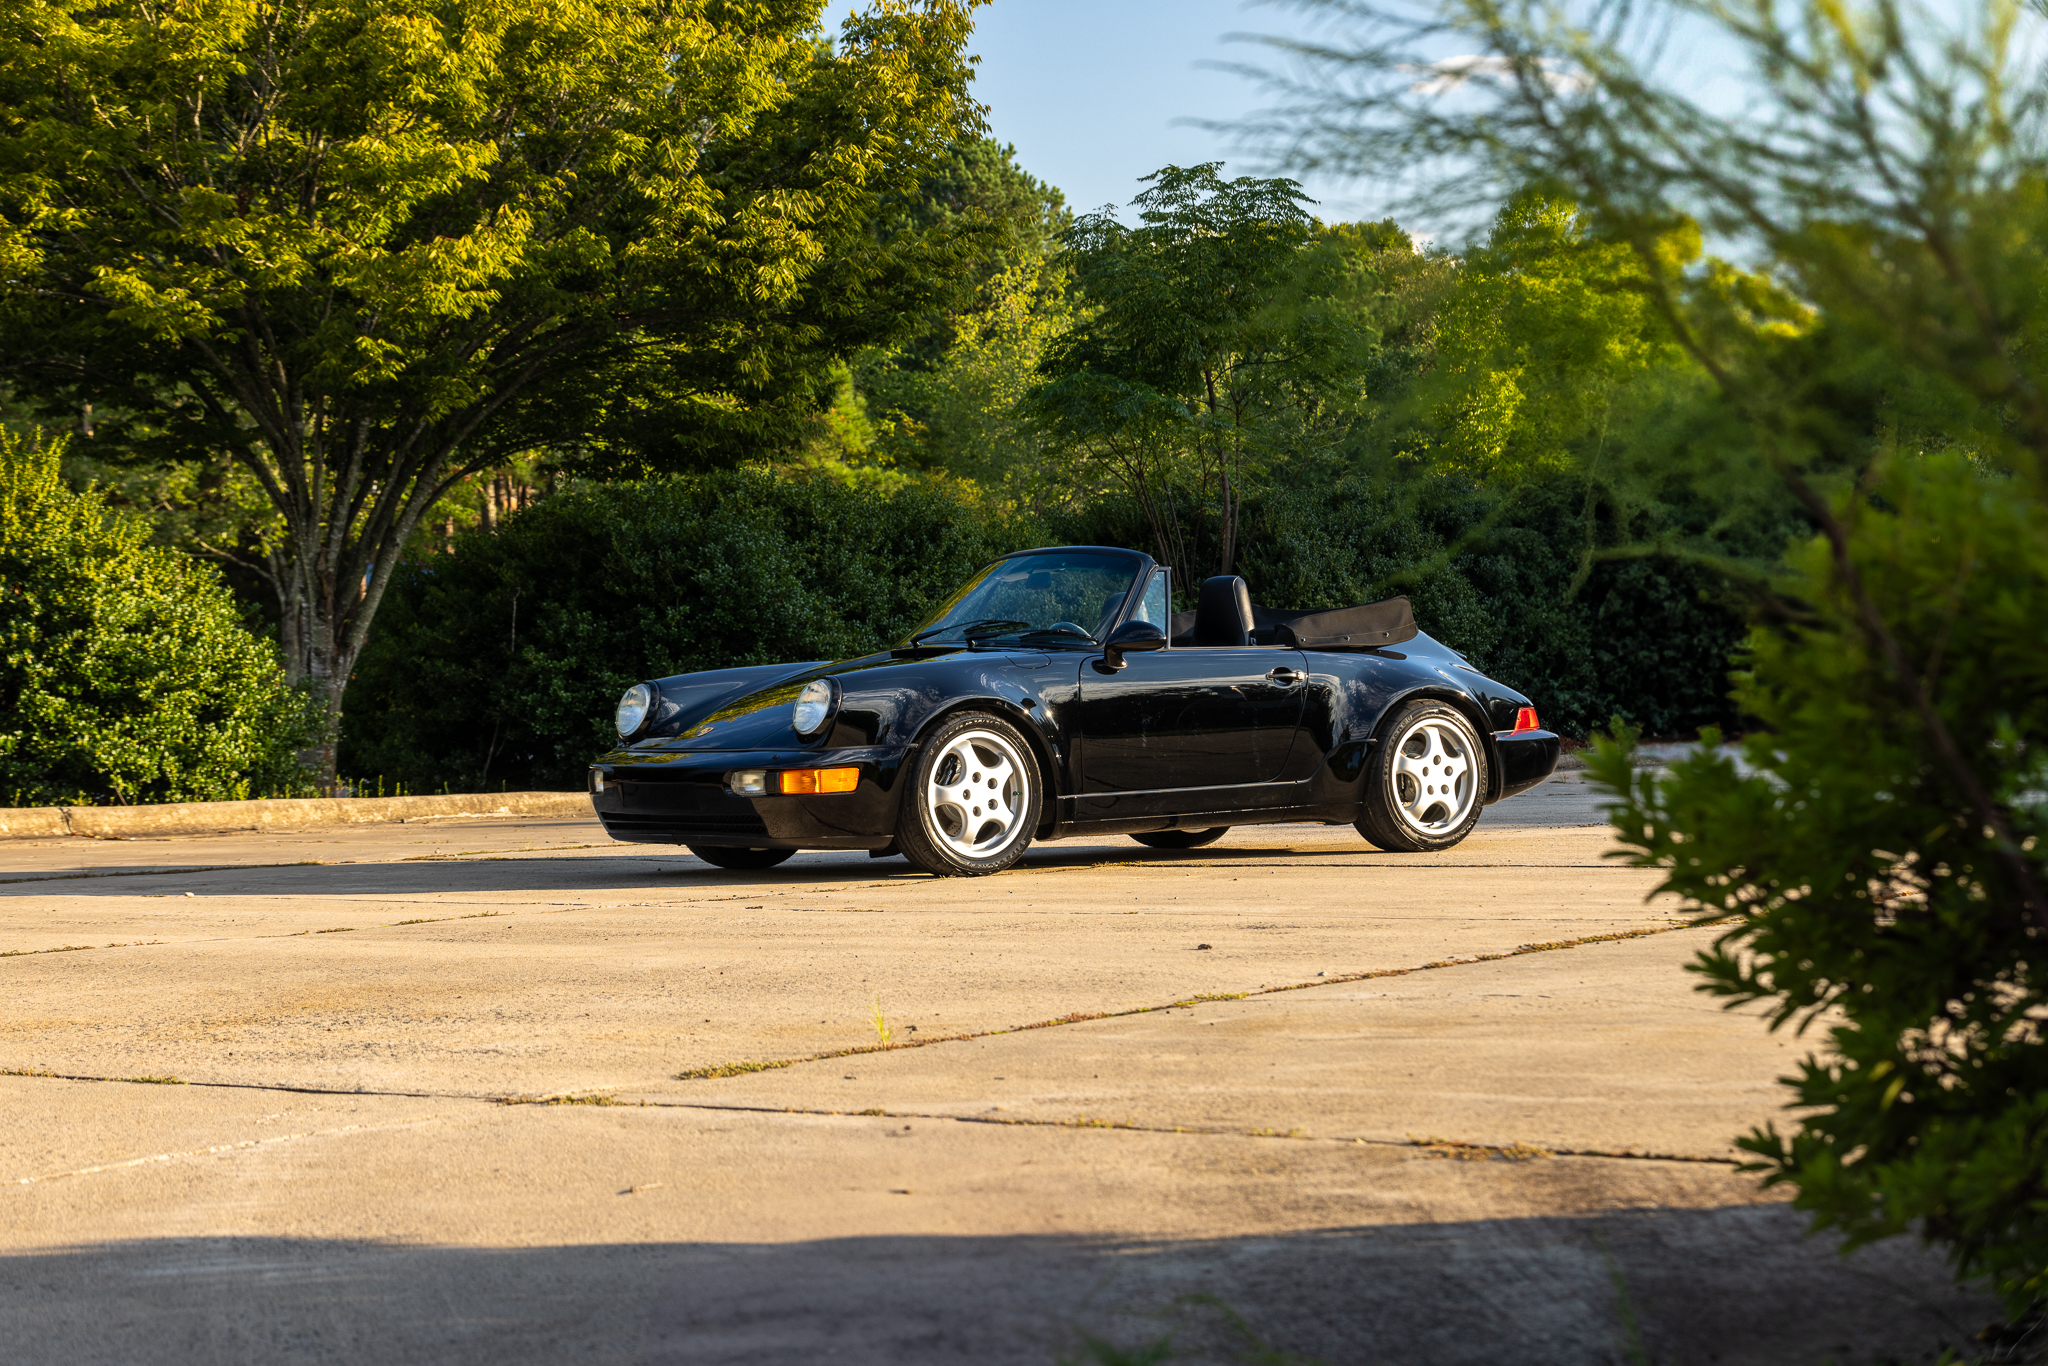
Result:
[[632, 870], [1737, 1285]]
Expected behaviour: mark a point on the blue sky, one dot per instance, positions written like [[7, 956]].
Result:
[[1090, 91]]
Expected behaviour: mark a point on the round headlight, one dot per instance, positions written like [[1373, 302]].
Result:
[[812, 706], [633, 709]]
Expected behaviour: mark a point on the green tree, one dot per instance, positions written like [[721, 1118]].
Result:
[[125, 671], [1218, 335], [1547, 335], [962, 413], [1882, 856], [1859, 889], [368, 247]]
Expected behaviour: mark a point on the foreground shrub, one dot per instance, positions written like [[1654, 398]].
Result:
[[500, 664], [1880, 858], [126, 674]]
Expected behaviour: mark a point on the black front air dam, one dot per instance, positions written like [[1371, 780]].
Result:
[[681, 798]]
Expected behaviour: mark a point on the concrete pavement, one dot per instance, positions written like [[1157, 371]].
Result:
[[491, 1090]]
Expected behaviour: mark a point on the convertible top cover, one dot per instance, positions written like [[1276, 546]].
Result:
[[1369, 626]]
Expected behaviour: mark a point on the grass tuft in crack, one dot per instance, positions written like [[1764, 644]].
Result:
[[734, 1069], [1461, 1151]]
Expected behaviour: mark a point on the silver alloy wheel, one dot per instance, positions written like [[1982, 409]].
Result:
[[976, 795], [1433, 776]]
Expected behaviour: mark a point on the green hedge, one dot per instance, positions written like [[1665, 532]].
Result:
[[126, 674], [1515, 581], [499, 664]]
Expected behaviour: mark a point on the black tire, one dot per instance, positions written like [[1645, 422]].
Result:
[[1408, 807], [966, 760], [1181, 839], [747, 860]]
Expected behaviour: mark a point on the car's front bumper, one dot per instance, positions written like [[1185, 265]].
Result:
[[1527, 757], [681, 797]]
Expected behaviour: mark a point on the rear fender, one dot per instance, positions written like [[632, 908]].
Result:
[[1468, 707]]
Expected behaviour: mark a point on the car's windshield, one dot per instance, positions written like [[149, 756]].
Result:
[[1051, 597]]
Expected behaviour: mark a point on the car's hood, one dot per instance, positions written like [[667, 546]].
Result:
[[687, 701], [751, 708]]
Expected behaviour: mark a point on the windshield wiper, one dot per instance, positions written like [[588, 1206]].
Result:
[[976, 625], [1068, 632]]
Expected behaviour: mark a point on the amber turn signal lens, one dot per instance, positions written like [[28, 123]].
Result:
[[798, 781], [1525, 719]]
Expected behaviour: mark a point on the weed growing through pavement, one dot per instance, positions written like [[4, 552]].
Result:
[[157, 1081], [568, 1100], [1461, 1151], [734, 1069], [882, 1031]]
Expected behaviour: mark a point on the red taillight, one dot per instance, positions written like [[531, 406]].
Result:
[[1525, 719]]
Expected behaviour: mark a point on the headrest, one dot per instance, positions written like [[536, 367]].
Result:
[[1223, 612]]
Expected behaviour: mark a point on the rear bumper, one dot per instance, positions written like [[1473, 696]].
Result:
[[1526, 758], [680, 797]]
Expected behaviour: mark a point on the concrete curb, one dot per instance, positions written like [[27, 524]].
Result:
[[213, 818]]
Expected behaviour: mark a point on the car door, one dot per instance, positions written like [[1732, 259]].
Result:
[[1175, 724]]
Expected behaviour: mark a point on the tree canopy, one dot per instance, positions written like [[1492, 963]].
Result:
[[366, 247], [1213, 337]]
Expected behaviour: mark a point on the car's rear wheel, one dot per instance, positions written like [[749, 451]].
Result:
[[1181, 839], [972, 803], [1426, 781], [731, 856]]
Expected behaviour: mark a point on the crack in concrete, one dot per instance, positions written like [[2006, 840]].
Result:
[[171, 872], [1508, 1152], [717, 1071]]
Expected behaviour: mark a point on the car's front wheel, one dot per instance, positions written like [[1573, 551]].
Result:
[[1425, 782], [730, 856], [1181, 839], [972, 803]]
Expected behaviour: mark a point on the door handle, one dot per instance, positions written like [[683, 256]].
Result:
[[1286, 677]]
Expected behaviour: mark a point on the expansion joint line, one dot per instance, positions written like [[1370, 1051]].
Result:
[[736, 1069], [1457, 1148]]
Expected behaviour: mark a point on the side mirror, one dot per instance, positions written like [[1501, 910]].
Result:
[[1130, 637]]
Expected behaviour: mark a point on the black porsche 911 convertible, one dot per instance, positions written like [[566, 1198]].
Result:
[[1058, 694]]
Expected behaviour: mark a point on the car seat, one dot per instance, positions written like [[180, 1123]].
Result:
[[1223, 613]]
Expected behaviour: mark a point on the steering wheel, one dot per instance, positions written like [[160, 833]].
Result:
[[1070, 629]]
